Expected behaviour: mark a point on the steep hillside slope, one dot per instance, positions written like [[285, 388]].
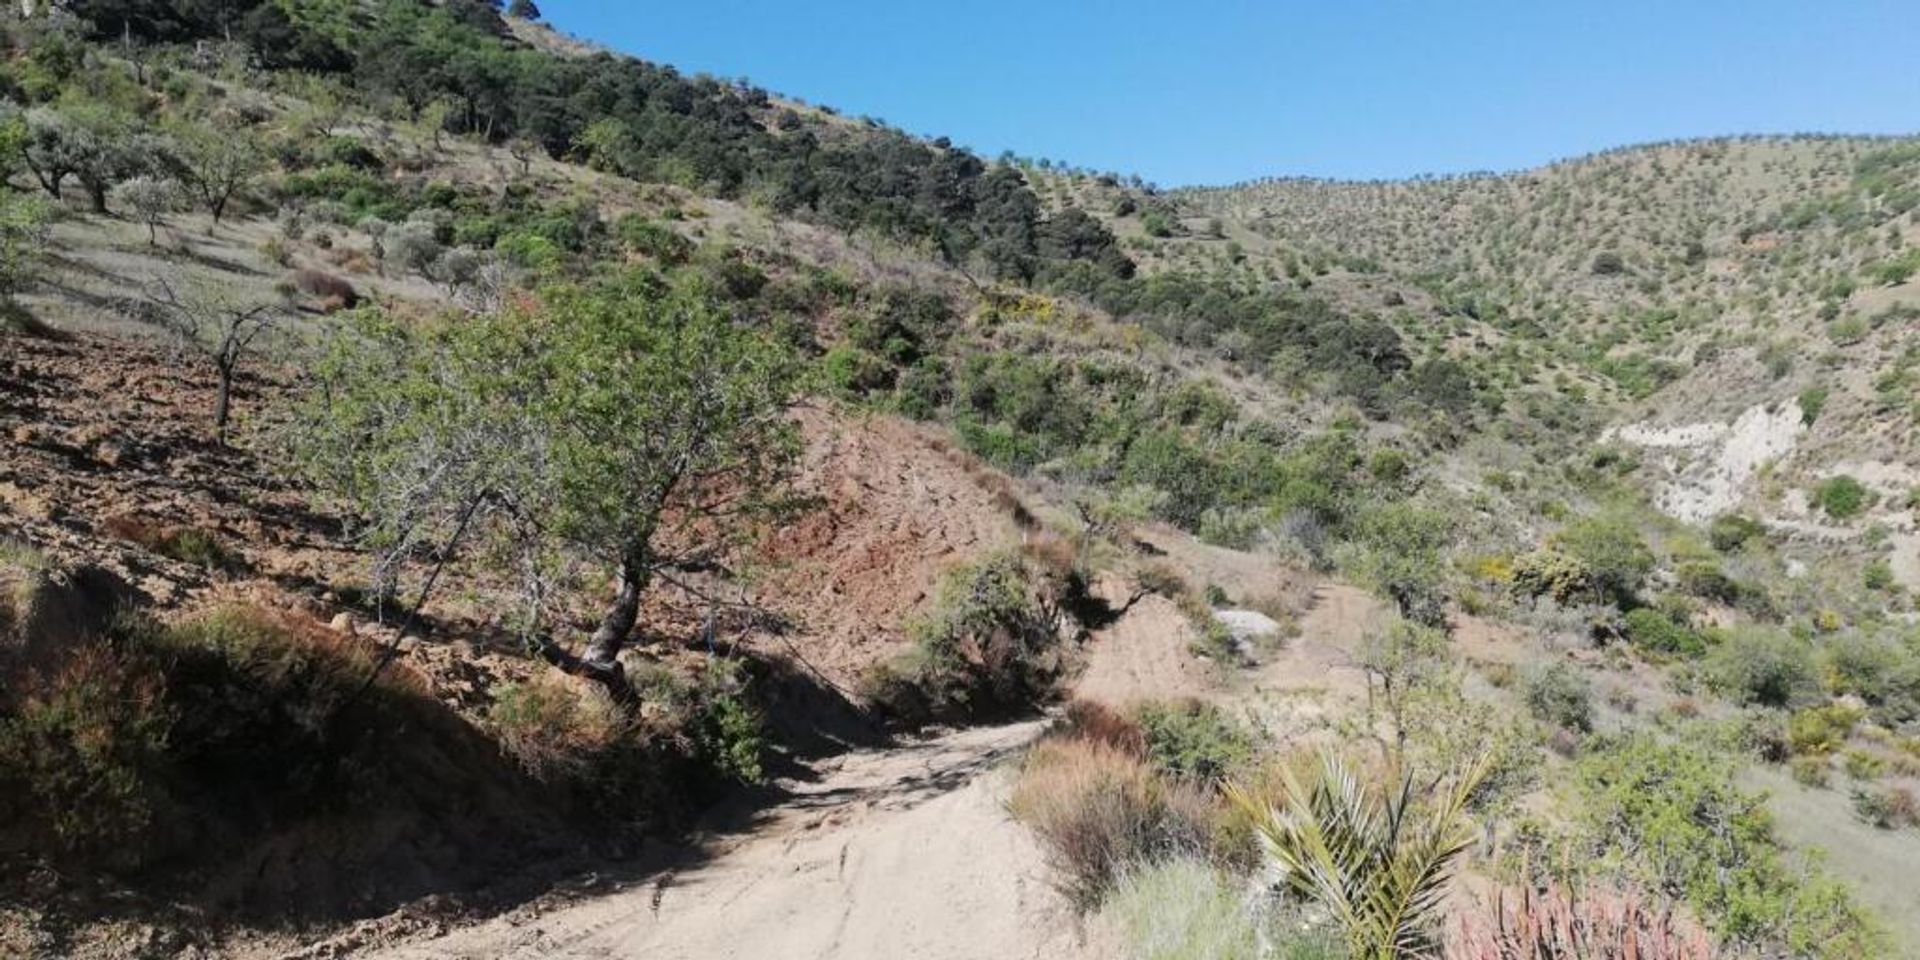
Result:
[[417, 428]]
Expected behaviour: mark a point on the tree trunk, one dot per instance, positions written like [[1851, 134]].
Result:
[[601, 660], [622, 614], [97, 195], [223, 403]]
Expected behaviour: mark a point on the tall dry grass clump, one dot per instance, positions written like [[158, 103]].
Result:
[[1099, 809]]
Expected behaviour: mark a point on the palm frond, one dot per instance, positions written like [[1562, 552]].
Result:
[[1377, 862]]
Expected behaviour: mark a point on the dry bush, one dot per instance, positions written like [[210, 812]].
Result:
[[349, 259], [195, 545], [1167, 581], [1051, 552], [1095, 722], [554, 729], [1557, 925], [146, 740], [1098, 810], [326, 287]]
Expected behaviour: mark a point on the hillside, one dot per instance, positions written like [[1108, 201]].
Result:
[[467, 492]]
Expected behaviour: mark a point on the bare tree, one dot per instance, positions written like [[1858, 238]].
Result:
[[215, 322], [523, 150]]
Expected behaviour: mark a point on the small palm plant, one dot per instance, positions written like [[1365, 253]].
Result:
[[1377, 861]]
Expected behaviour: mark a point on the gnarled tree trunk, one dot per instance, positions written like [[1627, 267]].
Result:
[[600, 662]]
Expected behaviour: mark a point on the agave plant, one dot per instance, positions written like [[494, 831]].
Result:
[[1376, 860]]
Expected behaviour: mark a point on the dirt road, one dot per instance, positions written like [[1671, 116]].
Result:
[[902, 852]]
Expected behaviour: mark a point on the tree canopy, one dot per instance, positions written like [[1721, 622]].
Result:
[[631, 425]]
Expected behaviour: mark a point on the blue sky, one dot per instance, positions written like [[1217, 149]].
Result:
[[1210, 91]]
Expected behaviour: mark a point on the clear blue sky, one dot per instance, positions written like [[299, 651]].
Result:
[[1208, 91]]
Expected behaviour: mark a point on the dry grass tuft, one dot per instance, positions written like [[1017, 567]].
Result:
[[1099, 810], [1096, 722]]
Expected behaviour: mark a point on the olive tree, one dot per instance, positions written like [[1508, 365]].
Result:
[[631, 426], [150, 199], [216, 164], [94, 144]]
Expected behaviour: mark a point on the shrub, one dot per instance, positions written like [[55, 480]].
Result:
[[1673, 817], [644, 237], [1842, 497], [411, 246], [158, 738], [1762, 666], [1651, 631], [1887, 808], [1612, 551], [1861, 765], [712, 713], [989, 645], [554, 731], [1552, 574], [1192, 740], [854, 372], [1811, 770], [1598, 924], [1819, 731], [1181, 909], [1878, 669], [1706, 580], [1812, 401], [1561, 695], [1731, 531], [1214, 641], [1097, 811], [1608, 263], [83, 747], [326, 286]]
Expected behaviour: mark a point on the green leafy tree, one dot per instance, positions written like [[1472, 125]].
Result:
[[216, 164], [632, 426], [91, 143], [1398, 550], [1401, 662]]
